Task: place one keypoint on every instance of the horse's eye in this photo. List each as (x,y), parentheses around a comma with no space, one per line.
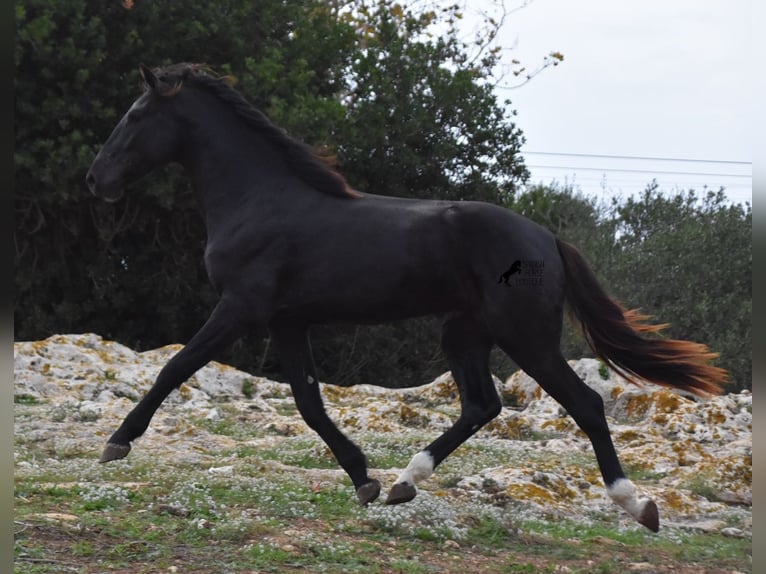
(133,117)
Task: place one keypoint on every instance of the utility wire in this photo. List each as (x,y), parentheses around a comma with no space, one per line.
(649,171)
(738,190)
(635,157)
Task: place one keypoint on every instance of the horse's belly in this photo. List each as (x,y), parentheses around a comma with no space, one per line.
(372,300)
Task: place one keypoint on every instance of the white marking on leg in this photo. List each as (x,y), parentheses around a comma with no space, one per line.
(624,493)
(310,379)
(420,468)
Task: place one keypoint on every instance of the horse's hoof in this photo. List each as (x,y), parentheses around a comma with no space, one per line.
(650,516)
(114,451)
(401,492)
(368,492)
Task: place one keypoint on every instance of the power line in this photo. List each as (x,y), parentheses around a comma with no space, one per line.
(586,180)
(648,171)
(739,186)
(636,157)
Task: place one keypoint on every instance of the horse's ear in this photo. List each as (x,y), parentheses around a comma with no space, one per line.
(149,78)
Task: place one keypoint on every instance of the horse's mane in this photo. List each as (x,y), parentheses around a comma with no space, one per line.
(313,168)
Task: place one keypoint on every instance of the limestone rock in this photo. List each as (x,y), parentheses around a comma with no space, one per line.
(693,457)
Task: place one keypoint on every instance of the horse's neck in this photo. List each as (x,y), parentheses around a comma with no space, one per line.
(239,176)
(221,162)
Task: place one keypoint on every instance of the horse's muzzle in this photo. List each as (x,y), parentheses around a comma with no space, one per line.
(90,179)
(106,192)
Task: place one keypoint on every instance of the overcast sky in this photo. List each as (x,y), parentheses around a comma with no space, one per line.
(649,79)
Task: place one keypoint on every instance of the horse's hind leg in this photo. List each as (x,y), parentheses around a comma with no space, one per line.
(294,351)
(466,345)
(556,377)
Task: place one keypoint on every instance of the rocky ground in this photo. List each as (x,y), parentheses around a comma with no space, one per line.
(699,452)
(693,458)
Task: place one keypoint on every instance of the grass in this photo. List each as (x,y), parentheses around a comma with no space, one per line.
(283,506)
(701,487)
(278,524)
(248,388)
(682,546)
(638,473)
(23,399)
(303,453)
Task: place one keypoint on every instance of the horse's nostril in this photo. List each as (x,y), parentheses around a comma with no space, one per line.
(91,181)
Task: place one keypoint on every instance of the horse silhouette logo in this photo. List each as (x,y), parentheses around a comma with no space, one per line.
(512,270)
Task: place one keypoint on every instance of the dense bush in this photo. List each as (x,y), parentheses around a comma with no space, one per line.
(684,258)
(687,259)
(408,111)
(347,75)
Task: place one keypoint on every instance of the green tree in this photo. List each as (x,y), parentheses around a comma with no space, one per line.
(687,258)
(684,258)
(423,120)
(133,271)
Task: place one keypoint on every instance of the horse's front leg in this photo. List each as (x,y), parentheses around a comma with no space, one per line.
(222,328)
(294,351)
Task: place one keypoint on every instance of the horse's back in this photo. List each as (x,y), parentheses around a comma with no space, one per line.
(467,245)
(495,238)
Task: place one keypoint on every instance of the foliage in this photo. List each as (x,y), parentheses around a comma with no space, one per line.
(684,258)
(687,259)
(165,510)
(422,117)
(409,109)
(133,271)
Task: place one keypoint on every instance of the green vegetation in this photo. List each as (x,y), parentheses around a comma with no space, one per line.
(407,107)
(274,524)
(700,486)
(285,506)
(22,399)
(683,258)
(248,388)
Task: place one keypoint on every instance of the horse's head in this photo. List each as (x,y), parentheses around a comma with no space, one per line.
(145,138)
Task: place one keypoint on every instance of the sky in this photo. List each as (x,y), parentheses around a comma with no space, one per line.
(642,86)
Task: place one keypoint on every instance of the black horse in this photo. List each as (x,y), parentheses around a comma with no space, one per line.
(289,244)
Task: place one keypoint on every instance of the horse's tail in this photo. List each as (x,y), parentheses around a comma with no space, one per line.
(617,336)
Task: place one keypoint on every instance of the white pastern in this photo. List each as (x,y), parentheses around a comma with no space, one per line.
(420,468)
(624,493)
